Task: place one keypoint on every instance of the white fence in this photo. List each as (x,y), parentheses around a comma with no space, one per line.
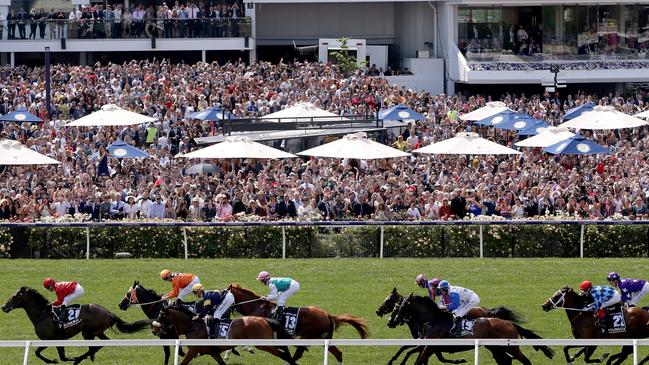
(27,345)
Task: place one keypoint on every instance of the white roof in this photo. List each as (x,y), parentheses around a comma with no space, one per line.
(547,138)
(467,144)
(238,147)
(14,153)
(604,117)
(355,146)
(486,111)
(644,114)
(111,115)
(301,112)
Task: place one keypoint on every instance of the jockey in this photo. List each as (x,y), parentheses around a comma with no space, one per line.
(66,292)
(280,289)
(603,296)
(181,284)
(430,285)
(456,299)
(212,304)
(632,289)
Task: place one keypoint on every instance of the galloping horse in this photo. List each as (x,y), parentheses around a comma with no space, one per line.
(436,323)
(151,304)
(179,320)
(478,312)
(95,320)
(582,323)
(313,322)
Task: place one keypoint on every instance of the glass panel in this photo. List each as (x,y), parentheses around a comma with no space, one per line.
(570,32)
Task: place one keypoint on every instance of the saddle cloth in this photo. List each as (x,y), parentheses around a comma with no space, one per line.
(615,322)
(289,319)
(221,330)
(463,328)
(71,315)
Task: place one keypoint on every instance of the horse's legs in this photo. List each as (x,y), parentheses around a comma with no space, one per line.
(441,359)
(282,354)
(166,351)
(516,353)
(61,351)
(404,361)
(396,356)
(589,352)
(299,351)
(424,355)
(619,358)
(216,355)
(192,352)
(644,361)
(566,352)
(45,359)
(337,354)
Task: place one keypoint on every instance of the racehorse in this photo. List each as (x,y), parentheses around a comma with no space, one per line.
(179,320)
(151,304)
(394,297)
(582,323)
(437,323)
(312,323)
(95,320)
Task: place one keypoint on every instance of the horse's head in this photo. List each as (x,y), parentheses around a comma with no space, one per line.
(130,297)
(564,298)
(23,298)
(163,323)
(400,312)
(388,304)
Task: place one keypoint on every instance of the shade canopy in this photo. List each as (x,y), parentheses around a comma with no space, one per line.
(467,144)
(212,114)
(577,145)
(201,168)
(577,111)
(121,149)
(506,117)
(14,153)
(355,146)
(604,117)
(644,114)
(111,115)
(238,147)
(400,112)
(550,136)
(486,111)
(532,129)
(20,116)
(303,112)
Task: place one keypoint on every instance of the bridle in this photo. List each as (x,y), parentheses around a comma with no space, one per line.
(561,301)
(131,296)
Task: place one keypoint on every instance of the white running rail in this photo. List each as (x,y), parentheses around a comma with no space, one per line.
(476,343)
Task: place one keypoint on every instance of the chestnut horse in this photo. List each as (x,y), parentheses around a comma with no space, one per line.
(313,322)
(95,320)
(179,320)
(478,312)
(582,323)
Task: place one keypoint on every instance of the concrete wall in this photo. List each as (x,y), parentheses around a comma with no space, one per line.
(414,25)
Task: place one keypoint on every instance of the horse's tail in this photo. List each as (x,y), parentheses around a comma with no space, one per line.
(126,327)
(279,329)
(358,323)
(505,313)
(525,333)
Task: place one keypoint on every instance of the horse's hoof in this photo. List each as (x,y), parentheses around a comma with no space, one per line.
(605,355)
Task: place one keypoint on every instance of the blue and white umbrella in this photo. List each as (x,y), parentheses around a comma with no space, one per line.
(503,120)
(121,149)
(577,145)
(400,112)
(577,111)
(534,128)
(20,116)
(212,114)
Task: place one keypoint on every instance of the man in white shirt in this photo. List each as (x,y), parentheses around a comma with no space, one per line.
(138,21)
(61,206)
(117,22)
(158,208)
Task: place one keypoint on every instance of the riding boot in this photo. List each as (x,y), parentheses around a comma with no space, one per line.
(278,313)
(601,319)
(60,313)
(456,331)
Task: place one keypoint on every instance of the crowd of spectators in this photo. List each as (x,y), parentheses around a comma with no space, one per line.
(567,66)
(90,181)
(178,20)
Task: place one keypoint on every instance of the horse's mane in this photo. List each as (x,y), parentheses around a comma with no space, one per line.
(426,301)
(240,288)
(39,299)
(148,291)
(183,310)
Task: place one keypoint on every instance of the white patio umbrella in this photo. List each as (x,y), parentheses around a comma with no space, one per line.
(466,144)
(14,153)
(547,138)
(111,115)
(355,146)
(604,117)
(492,108)
(301,112)
(644,114)
(238,147)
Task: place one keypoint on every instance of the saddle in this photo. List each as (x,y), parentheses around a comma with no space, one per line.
(68,316)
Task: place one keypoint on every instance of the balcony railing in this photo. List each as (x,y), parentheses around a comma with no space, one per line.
(30,30)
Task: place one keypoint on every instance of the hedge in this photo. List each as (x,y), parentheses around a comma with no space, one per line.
(311,242)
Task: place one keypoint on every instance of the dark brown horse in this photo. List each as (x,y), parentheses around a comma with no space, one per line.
(151,304)
(478,312)
(313,322)
(437,323)
(95,320)
(583,326)
(180,321)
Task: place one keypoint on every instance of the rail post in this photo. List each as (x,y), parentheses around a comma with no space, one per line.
(581,242)
(176,351)
(185,242)
(87,243)
(476,350)
(283,242)
(326,352)
(26,357)
(381,241)
(481,242)
(635,352)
